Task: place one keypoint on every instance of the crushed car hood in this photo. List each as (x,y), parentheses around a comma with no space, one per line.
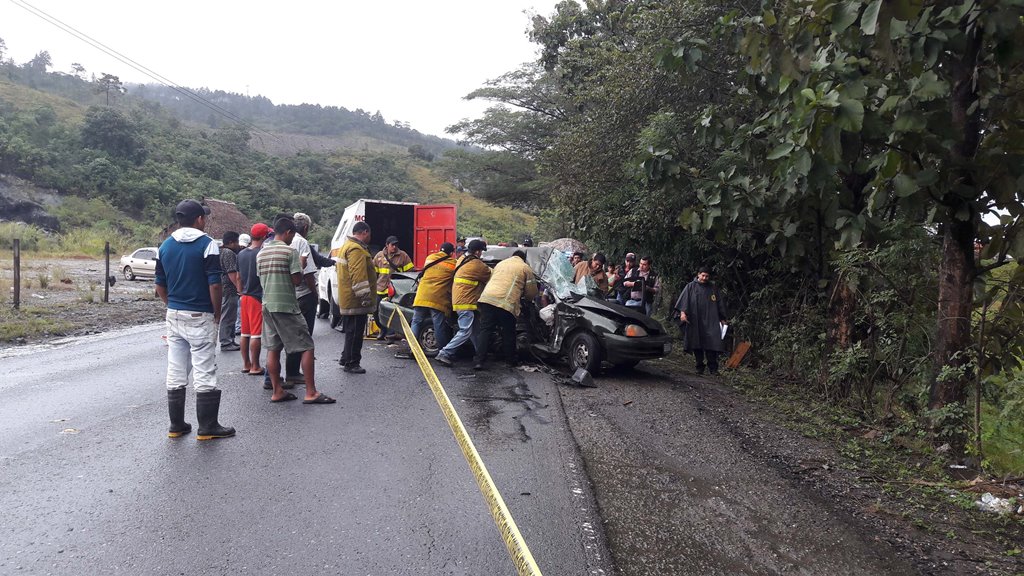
(630,316)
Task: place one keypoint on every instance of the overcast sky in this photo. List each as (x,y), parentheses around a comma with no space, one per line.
(412,60)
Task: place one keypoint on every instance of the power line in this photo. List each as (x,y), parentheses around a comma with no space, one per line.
(137,66)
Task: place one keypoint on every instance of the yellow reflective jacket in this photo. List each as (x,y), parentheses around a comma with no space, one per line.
(511,280)
(471,275)
(435,288)
(399,262)
(356,276)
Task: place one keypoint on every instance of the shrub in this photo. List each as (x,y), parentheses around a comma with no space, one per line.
(32,237)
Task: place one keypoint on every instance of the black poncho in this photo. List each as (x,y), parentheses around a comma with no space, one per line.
(704,312)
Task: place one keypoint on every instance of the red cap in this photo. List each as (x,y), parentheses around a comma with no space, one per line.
(259,231)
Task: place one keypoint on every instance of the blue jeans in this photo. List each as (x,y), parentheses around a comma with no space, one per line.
(467,331)
(421,314)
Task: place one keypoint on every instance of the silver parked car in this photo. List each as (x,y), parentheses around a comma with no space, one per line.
(140,263)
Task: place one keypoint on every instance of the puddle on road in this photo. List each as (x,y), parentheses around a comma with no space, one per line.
(75,340)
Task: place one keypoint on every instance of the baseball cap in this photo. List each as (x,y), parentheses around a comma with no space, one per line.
(190,210)
(391,240)
(259,231)
(447,248)
(475,245)
(244,239)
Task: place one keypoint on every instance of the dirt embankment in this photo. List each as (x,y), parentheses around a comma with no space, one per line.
(64,297)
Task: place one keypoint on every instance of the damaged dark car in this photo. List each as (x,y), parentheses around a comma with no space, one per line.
(567,320)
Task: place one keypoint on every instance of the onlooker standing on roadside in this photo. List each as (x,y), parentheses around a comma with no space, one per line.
(644,285)
(280,272)
(389,260)
(471,275)
(356,279)
(613,280)
(306,292)
(629,271)
(511,280)
(230,288)
(243,242)
(701,317)
(188,281)
(595,269)
(251,302)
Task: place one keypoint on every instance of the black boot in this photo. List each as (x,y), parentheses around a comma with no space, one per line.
(176,410)
(207,407)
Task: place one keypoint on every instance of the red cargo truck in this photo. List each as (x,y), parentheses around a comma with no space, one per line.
(420,229)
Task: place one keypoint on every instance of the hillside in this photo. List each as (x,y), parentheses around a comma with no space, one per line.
(127,164)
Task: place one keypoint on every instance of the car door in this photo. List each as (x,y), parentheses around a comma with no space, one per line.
(144,262)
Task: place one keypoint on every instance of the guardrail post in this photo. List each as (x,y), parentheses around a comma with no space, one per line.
(106,273)
(17,273)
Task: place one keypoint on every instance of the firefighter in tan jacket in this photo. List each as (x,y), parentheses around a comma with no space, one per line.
(388,261)
(471,275)
(511,280)
(356,280)
(434,295)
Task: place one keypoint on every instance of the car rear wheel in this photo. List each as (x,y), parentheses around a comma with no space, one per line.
(584,352)
(129,274)
(428,341)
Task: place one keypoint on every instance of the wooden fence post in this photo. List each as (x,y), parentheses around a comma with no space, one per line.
(17,273)
(106,273)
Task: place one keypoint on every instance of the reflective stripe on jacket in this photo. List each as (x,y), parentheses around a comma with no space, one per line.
(511,280)
(400,262)
(435,288)
(470,278)
(356,275)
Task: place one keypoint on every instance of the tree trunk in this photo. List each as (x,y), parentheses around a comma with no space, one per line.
(956,276)
(842,308)
(957,267)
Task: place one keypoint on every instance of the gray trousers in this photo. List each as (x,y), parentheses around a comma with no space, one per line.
(228,316)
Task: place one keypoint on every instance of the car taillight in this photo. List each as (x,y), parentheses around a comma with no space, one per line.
(635,331)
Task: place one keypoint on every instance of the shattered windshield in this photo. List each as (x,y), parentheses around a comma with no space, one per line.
(558,275)
(551,267)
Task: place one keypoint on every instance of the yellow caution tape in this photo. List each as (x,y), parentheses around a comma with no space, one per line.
(514,542)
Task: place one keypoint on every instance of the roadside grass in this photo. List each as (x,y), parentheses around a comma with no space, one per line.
(1003,437)
(87,225)
(30,322)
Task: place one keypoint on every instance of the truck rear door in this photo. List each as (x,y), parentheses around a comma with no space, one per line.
(434,226)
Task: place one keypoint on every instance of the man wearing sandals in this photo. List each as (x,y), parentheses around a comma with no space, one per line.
(280,271)
(252,301)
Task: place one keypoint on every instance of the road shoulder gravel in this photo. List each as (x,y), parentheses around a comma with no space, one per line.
(691,478)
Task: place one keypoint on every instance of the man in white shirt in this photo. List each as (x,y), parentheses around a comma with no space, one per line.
(305,293)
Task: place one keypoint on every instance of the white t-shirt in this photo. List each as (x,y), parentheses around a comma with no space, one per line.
(301,245)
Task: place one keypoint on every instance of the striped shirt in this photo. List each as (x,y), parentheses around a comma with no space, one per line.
(275,265)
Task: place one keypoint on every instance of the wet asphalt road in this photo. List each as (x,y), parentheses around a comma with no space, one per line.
(90,484)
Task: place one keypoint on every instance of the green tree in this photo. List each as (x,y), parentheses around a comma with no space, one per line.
(867,110)
(108,84)
(40,63)
(113,132)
